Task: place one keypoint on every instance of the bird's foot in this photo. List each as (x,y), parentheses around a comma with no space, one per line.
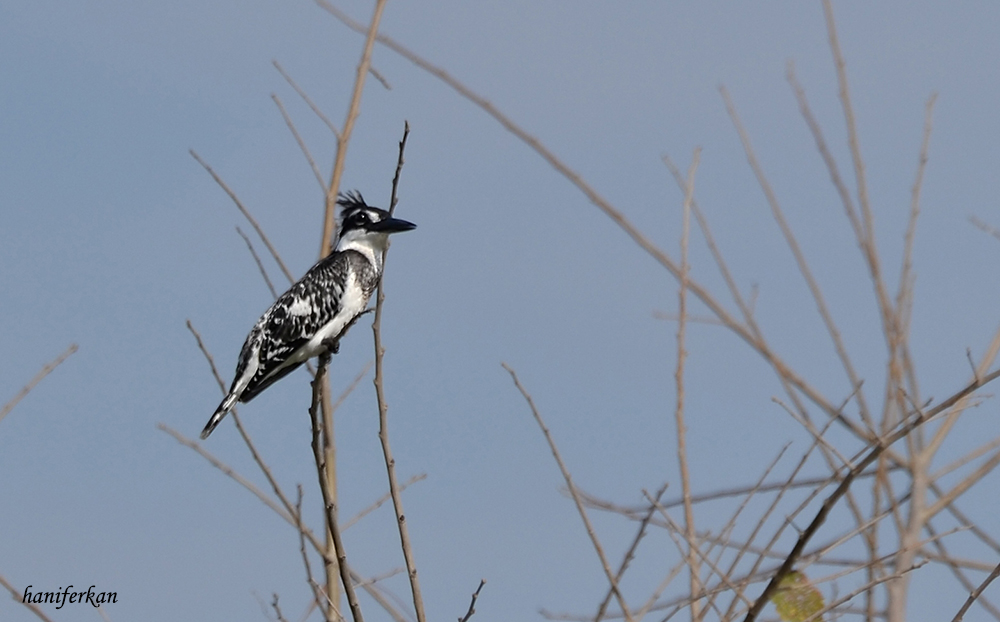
(332,345)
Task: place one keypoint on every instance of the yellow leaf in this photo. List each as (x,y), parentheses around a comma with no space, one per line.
(797,598)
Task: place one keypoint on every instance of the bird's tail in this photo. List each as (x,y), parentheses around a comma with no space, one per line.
(220,412)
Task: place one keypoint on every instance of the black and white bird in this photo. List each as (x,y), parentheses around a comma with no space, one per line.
(310,318)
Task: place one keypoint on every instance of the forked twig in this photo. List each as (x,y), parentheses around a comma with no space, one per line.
(630,553)
(246,214)
(305,97)
(873,454)
(301,143)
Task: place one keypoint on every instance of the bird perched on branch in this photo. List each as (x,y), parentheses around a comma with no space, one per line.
(310,318)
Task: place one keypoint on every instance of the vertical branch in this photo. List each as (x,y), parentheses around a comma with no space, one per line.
(904,297)
(920,457)
(329,503)
(693,564)
(329,476)
(383,432)
(329,218)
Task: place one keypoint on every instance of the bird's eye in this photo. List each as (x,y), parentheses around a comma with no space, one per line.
(362,217)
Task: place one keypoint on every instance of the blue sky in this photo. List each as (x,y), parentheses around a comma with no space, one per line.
(111,236)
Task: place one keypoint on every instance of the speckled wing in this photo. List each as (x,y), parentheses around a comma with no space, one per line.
(291,322)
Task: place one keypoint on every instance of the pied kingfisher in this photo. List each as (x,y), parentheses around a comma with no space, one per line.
(310,318)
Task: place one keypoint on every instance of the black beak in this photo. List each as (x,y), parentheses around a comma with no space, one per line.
(392,225)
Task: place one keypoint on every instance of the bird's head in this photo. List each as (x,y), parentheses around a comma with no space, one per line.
(362,225)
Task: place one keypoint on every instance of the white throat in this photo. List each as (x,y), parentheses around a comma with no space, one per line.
(369,244)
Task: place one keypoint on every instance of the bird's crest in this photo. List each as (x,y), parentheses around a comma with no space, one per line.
(350,201)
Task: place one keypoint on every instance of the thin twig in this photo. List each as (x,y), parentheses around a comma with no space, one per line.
(383,411)
(381,500)
(694,571)
(258,459)
(629,554)
(260,264)
(864,589)
(45,371)
(277,609)
(725,577)
(378,76)
(731,523)
(976,593)
(305,97)
(572,489)
(229,472)
(793,245)
(301,143)
(983,226)
(635,512)
(904,297)
(472,605)
(316,590)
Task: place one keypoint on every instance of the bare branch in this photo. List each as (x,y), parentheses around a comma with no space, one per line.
(982,226)
(318,598)
(378,76)
(976,593)
(383,409)
(472,605)
(616,215)
(277,609)
(229,472)
(381,500)
(328,502)
(689,526)
(793,245)
(845,484)
(629,554)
